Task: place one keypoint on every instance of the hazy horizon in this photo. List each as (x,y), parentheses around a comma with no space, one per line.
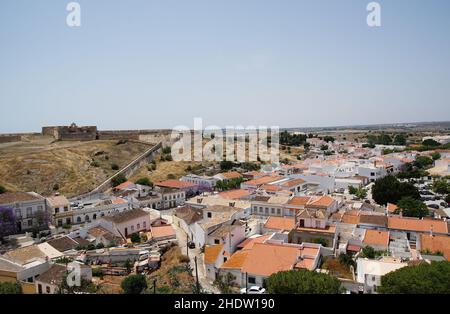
(158,64)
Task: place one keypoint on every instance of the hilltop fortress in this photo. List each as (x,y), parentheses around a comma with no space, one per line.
(74,132)
(90,133)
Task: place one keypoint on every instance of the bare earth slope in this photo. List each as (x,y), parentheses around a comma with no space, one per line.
(39,164)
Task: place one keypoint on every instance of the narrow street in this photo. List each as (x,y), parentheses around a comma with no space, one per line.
(192,253)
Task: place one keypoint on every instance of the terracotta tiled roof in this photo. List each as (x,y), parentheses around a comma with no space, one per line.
(123,185)
(421,225)
(376,237)
(235,261)
(391,207)
(126,215)
(299,200)
(436,243)
(263,180)
(53,275)
(293,182)
(235,194)
(323,201)
(13,197)
(162,231)
(280,223)
(212,252)
(175,184)
(265,259)
(247,244)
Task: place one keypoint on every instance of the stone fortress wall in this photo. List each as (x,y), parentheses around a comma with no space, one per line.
(91,133)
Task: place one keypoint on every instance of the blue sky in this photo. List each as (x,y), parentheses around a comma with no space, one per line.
(157,64)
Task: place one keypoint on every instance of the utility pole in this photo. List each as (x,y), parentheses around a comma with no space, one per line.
(196,275)
(187,246)
(246,282)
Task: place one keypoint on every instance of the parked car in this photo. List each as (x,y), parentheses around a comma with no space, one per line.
(253,290)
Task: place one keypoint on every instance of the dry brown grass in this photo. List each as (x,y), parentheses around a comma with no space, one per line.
(40,164)
(170,273)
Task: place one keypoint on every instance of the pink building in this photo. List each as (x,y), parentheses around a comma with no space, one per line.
(128,222)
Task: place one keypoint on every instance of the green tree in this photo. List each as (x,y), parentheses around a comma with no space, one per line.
(118,179)
(424,278)
(412,207)
(431,143)
(166,150)
(400,139)
(447,198)
(328,139)
(226,165)
(352,190)
(144,181)
(302,282)
(368,252)
(10,288)
(135,238)
(435,156)
(324,147)
(134,284)
(114,166)
(441,186)
(390,190)
(423,161)
(225,283)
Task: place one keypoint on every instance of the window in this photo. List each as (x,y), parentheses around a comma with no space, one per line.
(266,210)
(56,210)
(144,224)
(47,289)
(209,214)
(94,216)
(30,222)
(40,207)
(251,280)
(216,241)
(78,219)
(30,279)
(138,226)
(29,210)
(278,211)
(68,221)
(66,208)
(132,228)
(272,210)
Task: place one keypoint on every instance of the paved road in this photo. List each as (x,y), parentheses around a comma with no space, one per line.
(182,242)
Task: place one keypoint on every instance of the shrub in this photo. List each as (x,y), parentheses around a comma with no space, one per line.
(171,176)
(135,237)
(95,163)
(302,282)
(118,179)
(144,181)
(114,166)
(2,189)
(10,288)
(134,284)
